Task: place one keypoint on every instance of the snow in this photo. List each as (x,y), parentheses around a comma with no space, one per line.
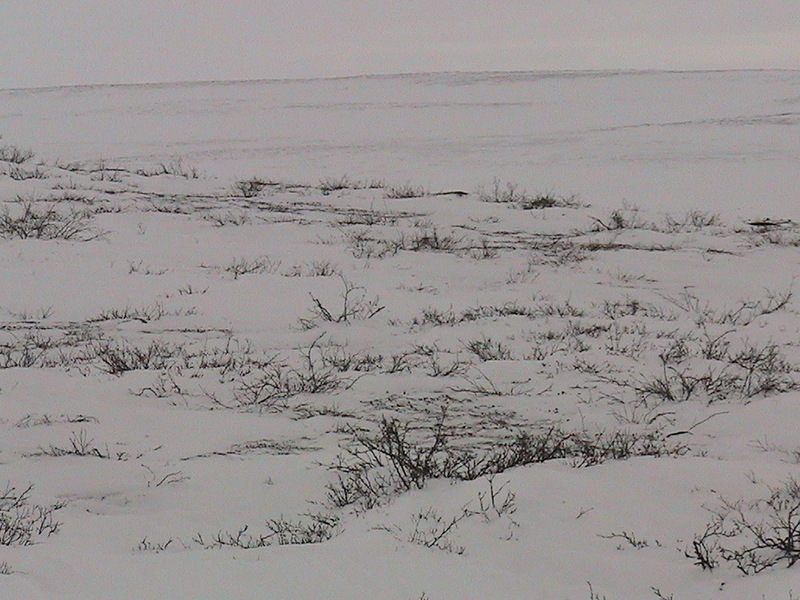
(494,317)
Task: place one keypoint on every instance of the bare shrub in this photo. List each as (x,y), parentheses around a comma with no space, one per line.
(235,218)
(752,536)
(341,359)
(499,193)
(248,266)
(438,362)
(335,184)
(145,314)
(436,317)
(431,239)
(404,192)
(174,167)
(432,317)
(482,250)
(374,468)
(18,173)
(314,268)
(118,357)
(487,349)
(480,384)
(139,267)
(547,200)
(711,371)
(355,306)
(363,244)
(15,154)
(37,420)
(626,217)
(740,315)
(270,384)
(693,220)
(314,529)
(81,445)
(432,530)
(46,223)
(496,503)
(629,538)
(250,188)
(511,193)
(21,522)
(762,370)
(156,547)
(31,350)
(110,174)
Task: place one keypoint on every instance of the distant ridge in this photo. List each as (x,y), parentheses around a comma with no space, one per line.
(471,76)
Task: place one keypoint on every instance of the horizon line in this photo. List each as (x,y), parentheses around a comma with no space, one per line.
(201,82)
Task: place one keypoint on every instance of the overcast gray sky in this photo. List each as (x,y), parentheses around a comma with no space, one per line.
(61,42)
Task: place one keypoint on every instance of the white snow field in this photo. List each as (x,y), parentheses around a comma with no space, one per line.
(454,336)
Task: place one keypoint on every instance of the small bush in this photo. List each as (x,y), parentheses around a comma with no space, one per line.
(431,239)
(19,174)
(250,188)
(81,445)
(21,522)
(141,268)
(15,154)
(270,384)
(540,201)
(46,223)
(37,420)
(338,357)
(355,306)
(712,371)
(116,358)
(362,244)
(335,184)
(487,349)
(174,167)
(147,546)
(245,266)
(401,456)
(32,350)
(315,529)
(144,314)
(482,250)
(510,193)
(693,220)
(314,268)
(752,536)
(432,530)
(743,314)
(434,317)
(404,192)
(496,503)
(626,217)
(437,362)
(504,194)
(235,218)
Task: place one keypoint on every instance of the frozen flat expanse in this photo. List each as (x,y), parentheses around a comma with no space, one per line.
(251,347)
(678,140)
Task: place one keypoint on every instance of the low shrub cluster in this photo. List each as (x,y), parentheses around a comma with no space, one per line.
(22,522)
(400,456)
(752,536)
(46,223)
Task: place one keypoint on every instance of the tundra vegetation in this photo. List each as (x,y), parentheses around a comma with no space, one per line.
(449,374)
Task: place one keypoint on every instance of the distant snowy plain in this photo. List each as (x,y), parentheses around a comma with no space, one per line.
(497,336)
(665,140)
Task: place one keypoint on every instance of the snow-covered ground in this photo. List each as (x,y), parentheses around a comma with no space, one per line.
(709,140)
(434,336)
